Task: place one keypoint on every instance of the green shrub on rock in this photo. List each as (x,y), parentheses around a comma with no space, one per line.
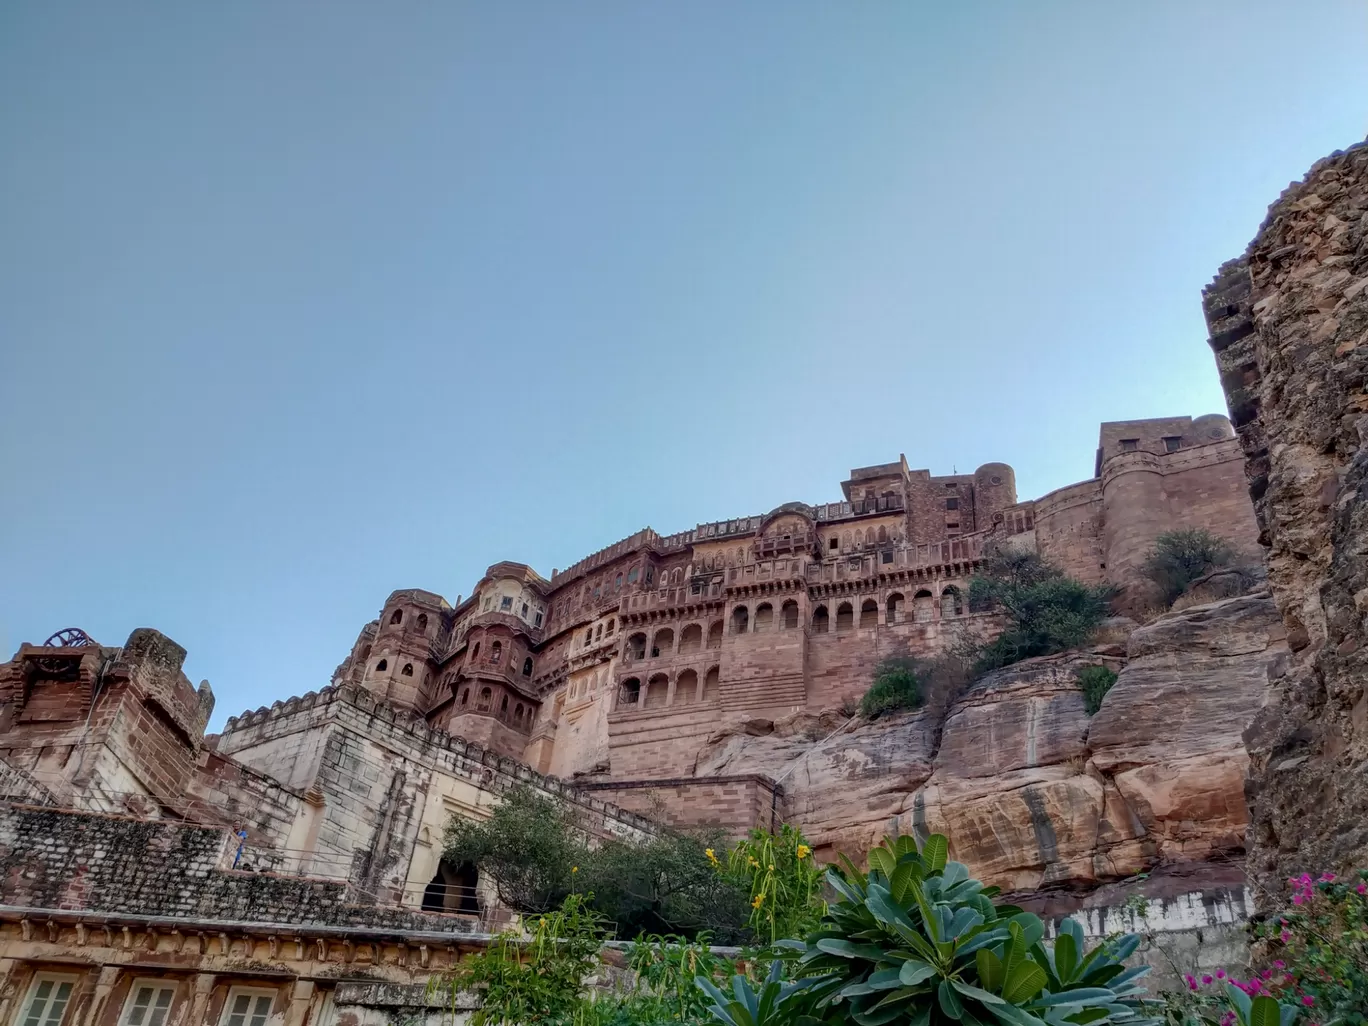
(897,686)
(1095,681)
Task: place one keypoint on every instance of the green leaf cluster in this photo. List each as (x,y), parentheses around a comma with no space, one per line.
(1095,682)
(536,855)
(1181,557)
(917,941)
(1044,611)
(528,983)
(897,686)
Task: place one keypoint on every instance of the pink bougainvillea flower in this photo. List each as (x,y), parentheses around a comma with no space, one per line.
(1206,978)
(1308,1000)
(1220,974)
(1280,964)
(1286,936)
(1362,888)
(1191,981)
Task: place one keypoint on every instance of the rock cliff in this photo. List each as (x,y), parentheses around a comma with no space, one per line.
(1032,792)
(1289,326)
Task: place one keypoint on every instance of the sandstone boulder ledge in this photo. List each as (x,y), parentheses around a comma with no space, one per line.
(1030,790)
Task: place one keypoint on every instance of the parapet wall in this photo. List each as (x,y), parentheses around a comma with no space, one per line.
(250,736)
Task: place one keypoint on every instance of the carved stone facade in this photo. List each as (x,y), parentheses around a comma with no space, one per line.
(620,667)
(293,865)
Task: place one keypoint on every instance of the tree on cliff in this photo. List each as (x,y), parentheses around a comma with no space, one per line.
(1181,557)
(1045,610)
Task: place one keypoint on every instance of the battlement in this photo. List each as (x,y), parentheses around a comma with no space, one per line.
(382,721)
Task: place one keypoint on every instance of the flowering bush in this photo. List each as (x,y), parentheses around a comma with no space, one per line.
(782,878)
(1314,958)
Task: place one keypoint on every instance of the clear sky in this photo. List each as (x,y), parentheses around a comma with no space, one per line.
(304,302)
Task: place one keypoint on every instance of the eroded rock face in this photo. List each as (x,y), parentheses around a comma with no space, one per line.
(1289,325)
(1029,789)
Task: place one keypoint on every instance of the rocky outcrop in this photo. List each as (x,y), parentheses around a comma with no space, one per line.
(1031,791)
(1289,326)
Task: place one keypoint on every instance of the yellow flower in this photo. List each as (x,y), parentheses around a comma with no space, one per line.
(574,869)
(752,860)
(759,900)
(712,855)
(771,869)
(804,851)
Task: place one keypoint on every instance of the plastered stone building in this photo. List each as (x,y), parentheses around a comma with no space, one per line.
(290,870)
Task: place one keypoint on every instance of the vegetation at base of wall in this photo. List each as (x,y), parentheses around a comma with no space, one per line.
(533,982)
(1181,557)
(1310,964)
(1044,611)
(1095,682)
(916,940)
(783,880)
(897,686)
(536,855)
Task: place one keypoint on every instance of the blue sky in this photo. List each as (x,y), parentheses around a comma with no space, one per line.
(304,302)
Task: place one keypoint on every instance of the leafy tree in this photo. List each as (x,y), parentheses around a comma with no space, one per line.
(1181,557)
(536,855)
(916,940)
(1045,611)
(897,686)
(1095,682)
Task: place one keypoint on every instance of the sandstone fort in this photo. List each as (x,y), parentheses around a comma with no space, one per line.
(291,870)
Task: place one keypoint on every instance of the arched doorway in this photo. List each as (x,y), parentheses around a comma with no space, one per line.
(453,890)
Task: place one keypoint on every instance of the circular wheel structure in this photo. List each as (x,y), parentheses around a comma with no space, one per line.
(69,637)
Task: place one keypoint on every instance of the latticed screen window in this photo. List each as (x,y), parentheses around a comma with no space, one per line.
(247,1008)
(48,1000)
(149,1005)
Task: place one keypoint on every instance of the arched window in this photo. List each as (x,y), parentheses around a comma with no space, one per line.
(710,682)
(636,646)
(527,667)
(686,687)
(715,635)
(788,615)
(951,603)
(422,621)
(465,696)
(475,652)
(517,713)
(382,665)
(691,638)
(869,614)
(496,652)
(589,636)
(821,620)
(407,671)
(453,890)
(657,692)
(674,576)
(922,609)
(486,700)
(883,534)
(845,616)
(612,625)
(630,692)
(740,620)
(397,616)
(764,617)
(598,632)
(894,607)
(663,643)
(503,706)
(365,654)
